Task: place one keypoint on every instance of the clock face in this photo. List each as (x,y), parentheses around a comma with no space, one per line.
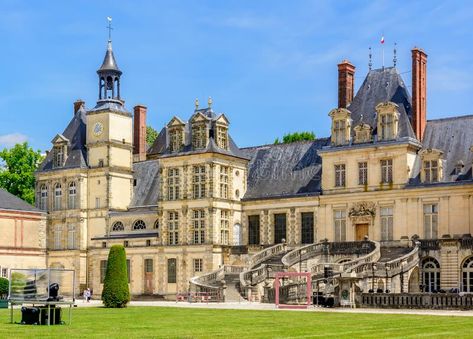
(98,128)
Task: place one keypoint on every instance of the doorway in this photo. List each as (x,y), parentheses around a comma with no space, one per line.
(361,230)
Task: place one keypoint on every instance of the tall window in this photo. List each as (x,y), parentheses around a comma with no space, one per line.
(58,237)
(386,223)
(71,236)
(173,183)
(362,173)
(222,137)
(279,228)
(198,136)
(173,228)
(307,228)
(71,201)
(43,202)
(340,223)
(148,265)
(340,175)
(103,270)
(339,130)
(172,271)
(386,171)
(223,182)
(253,230)
(387,127)
(199,226)
(198,181)
(57,197)
(467,275)
(139,225)
(224,227)
(431,275)
(58,156)
(430,221)
(198,265)
(431,171)
(175,140)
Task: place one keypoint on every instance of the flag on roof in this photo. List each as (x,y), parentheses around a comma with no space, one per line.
(382,39)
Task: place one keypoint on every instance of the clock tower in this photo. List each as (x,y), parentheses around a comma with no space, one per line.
(109,143)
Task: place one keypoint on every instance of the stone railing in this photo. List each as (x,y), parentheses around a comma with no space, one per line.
(303,253)
(211,280)
(265,254)
(429,244)
(466,243)
(417,300)
(259,274)
(288,294)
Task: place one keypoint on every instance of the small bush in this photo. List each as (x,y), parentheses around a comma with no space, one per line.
(116,293)
(3,288)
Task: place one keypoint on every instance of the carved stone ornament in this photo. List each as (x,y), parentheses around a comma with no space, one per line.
(363,209)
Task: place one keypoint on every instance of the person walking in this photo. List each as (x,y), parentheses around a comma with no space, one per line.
(86,295)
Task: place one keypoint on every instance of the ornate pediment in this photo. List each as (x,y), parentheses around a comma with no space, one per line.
(362,209)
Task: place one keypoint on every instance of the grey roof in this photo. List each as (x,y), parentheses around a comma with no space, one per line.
(284,169)
(146,190)
(110,105)
(109,62)
(381,85)
(10,202)
(76,133)
(453,136)
(159,146)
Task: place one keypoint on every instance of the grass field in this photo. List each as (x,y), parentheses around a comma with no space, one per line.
(168,322)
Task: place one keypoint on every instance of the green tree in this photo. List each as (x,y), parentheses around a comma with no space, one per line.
(151,135)
(3,288)
(17,173)
(116,293)
(296,136)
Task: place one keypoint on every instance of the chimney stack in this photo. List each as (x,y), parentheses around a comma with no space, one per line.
(139,133)
(78,104)
(346,83)
(419,92)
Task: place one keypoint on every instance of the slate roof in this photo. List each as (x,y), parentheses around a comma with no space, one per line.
(454,137)
(381,85)
(76,133)
(159,146)
(10,202)
(146,190)
(109,63)
(293,169)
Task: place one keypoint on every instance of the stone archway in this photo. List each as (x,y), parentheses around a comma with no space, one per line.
(414,281)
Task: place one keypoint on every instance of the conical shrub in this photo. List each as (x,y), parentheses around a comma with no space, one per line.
(115,292)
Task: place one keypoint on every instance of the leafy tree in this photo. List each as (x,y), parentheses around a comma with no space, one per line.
(3,288)
(116,293)
(17,173)
(296,136)
(151,135)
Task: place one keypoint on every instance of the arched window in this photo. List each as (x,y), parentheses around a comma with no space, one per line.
(57,196)
(118,226)
(139,225)
(72,195)
(431,275)
(467,275)
(43,198)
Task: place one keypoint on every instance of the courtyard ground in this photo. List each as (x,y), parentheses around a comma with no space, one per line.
(203,322)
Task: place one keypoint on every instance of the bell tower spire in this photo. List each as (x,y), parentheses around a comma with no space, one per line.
(109,73)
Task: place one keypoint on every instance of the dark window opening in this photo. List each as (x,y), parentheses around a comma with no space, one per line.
(307,228)
(279,228)
(253,230)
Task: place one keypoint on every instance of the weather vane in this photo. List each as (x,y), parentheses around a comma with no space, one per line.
(109,19)
(395,57)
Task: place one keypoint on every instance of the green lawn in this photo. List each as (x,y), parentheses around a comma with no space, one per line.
(167,322)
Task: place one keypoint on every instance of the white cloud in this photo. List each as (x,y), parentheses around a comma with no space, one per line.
(9,140)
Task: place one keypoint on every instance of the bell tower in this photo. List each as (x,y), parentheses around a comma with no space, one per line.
(109,141)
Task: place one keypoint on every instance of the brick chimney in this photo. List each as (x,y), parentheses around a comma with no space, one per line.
(139,133)
(346,83)
(78,104)
(419,92)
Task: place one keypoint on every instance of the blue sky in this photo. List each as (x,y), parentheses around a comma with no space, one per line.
(269,65)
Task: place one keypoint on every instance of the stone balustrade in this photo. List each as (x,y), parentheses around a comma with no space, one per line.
(417,300)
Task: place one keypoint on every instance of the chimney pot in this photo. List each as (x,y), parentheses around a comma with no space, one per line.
(346,83)
(139,132)
(78,104)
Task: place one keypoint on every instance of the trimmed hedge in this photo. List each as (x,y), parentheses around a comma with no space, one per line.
(116,293)
(3,288)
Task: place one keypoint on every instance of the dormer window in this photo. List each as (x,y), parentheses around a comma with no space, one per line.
(60,144)
(388,120)
(199,136)
(222,137)
(175,139)
(459,167)
(341,125)
(362,133)
(431,165)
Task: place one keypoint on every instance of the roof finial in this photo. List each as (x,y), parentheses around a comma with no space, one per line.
(196,104)
(109,19)
(210,102)
(395,57)
(370,63)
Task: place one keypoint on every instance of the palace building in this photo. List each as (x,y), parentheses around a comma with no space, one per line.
(385,201)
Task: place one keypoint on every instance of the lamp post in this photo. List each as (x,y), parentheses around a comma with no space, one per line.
(373,268)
